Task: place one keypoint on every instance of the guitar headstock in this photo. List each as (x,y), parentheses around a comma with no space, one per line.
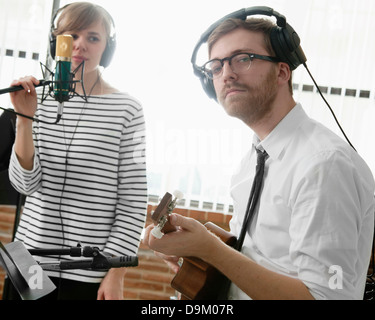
(160,216)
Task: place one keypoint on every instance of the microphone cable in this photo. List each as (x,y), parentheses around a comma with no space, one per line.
(60,203)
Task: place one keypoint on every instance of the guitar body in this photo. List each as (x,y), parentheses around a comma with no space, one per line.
(196,279)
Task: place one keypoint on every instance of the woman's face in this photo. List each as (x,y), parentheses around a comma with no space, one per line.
(88,46)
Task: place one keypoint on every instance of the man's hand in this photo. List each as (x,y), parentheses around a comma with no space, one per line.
(191,239)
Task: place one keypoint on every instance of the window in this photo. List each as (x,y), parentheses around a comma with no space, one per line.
(192,144)
(24,29)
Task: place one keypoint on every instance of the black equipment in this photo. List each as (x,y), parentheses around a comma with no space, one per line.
(101,261)
(29,278)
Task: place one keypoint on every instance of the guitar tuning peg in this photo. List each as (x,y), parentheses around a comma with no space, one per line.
(156,232)
(178,194)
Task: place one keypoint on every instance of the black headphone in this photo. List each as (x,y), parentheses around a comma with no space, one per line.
(284,40)
(108,52)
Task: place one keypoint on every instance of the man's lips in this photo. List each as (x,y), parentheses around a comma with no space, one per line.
(233,91)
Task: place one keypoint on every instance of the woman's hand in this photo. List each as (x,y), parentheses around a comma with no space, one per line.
(25,101)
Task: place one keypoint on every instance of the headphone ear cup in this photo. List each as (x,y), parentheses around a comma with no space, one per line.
(286,44)
(52,46)
(108,53)
(208,87)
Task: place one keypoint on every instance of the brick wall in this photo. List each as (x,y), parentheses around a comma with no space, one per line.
(151,279)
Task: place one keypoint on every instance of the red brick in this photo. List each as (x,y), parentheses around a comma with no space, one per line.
(6,217)
(153,296)
(215,217)
(143,285)
(181,211)
(227,218)
(158,277)
(199,215)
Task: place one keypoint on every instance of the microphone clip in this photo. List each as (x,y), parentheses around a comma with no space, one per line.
(62,90)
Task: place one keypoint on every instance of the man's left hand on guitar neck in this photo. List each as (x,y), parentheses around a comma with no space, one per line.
(185,242)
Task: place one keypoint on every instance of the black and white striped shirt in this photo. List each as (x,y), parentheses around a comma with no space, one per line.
(88,183)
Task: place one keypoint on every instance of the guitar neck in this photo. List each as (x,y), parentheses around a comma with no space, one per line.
(160,216)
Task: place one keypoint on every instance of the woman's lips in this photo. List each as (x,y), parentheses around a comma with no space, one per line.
(78,59)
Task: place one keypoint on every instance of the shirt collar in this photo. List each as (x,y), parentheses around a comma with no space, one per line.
(280,136)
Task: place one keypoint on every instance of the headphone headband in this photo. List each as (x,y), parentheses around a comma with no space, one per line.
(284,40)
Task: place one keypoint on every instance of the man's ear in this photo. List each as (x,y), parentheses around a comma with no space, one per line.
(284,72)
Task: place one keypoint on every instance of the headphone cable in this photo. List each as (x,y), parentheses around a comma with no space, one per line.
(329,107)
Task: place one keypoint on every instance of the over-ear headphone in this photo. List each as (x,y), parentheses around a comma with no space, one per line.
(284,40)
(108,52)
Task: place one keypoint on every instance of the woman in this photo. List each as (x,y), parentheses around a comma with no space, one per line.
(85,177)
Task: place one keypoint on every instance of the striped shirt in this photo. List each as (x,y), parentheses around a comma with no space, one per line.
(88,184)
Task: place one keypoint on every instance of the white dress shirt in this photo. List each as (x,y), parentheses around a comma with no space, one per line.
(315,217)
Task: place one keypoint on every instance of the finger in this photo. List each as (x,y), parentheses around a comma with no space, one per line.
(34,80)
(173,266)
(146,237)
(166,257)
(31,82)
(181,221)
(171,261)
(28,83)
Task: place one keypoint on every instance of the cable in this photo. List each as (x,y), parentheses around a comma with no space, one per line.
(329,107)
(19,114)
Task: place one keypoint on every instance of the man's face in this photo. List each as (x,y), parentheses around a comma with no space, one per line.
(248,96)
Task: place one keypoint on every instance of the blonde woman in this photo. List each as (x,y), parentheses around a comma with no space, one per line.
(85,177)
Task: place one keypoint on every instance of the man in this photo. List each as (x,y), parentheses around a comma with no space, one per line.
(311,234)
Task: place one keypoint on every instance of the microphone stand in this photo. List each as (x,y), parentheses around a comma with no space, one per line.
(101,261)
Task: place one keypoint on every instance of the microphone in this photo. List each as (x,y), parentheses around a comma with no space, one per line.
(62,85)
(101,260)
(102,263)
(63,75)
(42,83)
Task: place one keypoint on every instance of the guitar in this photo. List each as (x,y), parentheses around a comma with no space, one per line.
(196,279)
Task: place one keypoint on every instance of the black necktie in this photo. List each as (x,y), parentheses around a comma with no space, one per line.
(254,196)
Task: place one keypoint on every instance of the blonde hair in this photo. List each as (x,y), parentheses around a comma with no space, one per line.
(80,15)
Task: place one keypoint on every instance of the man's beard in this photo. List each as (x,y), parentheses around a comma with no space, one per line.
(255,104)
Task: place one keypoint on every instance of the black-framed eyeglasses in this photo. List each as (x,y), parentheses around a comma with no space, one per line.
(239,62)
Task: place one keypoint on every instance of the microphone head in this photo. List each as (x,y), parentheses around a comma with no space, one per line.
(64,47)
(62,77)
